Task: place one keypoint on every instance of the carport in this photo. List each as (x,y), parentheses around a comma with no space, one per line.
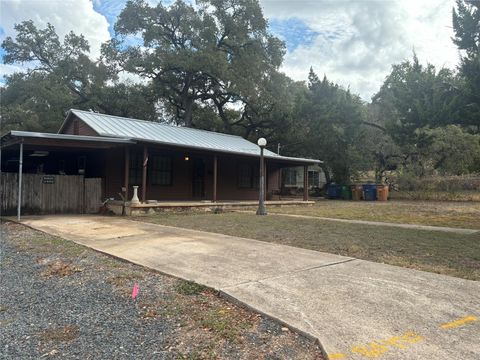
(42,172)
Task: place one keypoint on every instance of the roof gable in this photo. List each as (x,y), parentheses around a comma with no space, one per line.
(72,125)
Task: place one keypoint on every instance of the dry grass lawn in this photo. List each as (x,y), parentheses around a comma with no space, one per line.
(439,252)
(435,213)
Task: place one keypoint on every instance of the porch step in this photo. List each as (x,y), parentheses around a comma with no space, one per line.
(138,209)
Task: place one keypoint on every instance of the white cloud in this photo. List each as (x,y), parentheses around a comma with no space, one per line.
(9,70)
(360,40)
(66,15)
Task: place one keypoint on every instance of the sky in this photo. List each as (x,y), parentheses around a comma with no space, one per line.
(352,42)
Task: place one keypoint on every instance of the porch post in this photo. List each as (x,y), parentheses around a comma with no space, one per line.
(305,183)
(215,178)
(280,175)
(144,174)
(20,170)
(127,171)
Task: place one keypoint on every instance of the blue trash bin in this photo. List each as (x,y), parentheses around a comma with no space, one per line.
(370,192)
(333,191)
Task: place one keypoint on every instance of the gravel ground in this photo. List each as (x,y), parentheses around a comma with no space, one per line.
(61,300)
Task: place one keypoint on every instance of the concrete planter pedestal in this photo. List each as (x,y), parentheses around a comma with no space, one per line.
(135,199)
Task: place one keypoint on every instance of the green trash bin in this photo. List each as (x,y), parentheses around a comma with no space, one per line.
(346,192)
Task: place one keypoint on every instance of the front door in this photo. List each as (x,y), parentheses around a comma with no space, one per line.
(198,179)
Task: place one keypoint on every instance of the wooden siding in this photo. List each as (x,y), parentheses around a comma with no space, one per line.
(83,129)
(182,172)
(65,195)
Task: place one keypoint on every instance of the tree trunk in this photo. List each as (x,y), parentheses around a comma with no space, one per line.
(379,175)
(328,177)
(187,100)
(188,111)
(227,125)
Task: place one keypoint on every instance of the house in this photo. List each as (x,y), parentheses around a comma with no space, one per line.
(293,177)
(109,155)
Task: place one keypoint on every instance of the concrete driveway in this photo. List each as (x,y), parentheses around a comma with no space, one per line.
(357,309)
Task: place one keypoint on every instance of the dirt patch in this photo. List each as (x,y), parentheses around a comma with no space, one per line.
(59,334)
(125,279)
(60,269)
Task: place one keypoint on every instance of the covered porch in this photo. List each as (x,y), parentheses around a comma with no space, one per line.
(45,171)
(165,174)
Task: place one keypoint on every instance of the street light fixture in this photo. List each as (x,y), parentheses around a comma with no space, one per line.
(262,142)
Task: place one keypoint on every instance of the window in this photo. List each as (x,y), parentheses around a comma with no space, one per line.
(290,177)
(313,178)
(135,169)
(244,176)
(161,170)
(248,176)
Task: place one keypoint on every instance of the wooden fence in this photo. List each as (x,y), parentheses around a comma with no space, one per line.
(50,194)
(92,195)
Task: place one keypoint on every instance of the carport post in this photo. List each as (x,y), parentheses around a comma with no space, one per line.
(215,178)
(144,174)
(305,183)
(125,179)
(20,170)
(127,171)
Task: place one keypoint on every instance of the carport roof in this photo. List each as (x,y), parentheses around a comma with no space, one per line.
(14,135)
(154,132)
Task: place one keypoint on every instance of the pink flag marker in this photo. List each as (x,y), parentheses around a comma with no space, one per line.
(135,291)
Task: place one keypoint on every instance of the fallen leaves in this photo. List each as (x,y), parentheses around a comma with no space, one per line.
(60,269)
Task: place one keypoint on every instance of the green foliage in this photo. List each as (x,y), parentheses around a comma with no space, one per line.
(61,76)
(414,96)
(34,102)
(429,116)
(67,63)
(425,132)
(215,66)
(189,288)
(201,60)
(328,127)
(454,151)
(466,26)
(466,19)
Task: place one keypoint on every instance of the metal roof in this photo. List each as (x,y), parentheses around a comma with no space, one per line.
(141,130)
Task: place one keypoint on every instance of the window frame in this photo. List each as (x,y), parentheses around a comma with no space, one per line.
(314,179)
(153,172)
(253,176)
(289,174)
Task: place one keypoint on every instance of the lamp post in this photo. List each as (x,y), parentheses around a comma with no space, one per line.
(261,203)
